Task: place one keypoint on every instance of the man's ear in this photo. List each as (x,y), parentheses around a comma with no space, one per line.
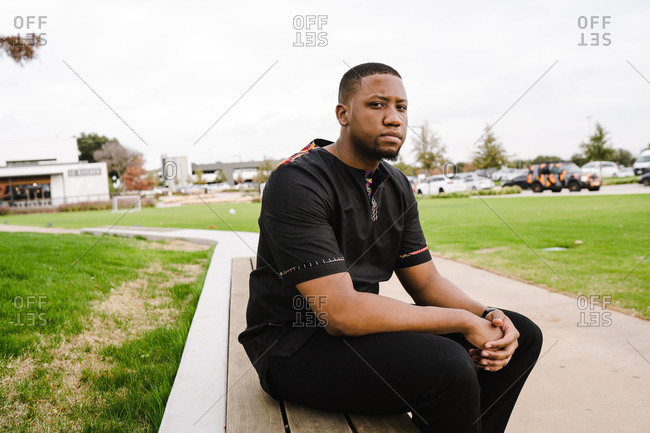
(342,114)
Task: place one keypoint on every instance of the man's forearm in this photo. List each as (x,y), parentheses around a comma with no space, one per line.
(348,312)
(367,313)
(448,295)
(427,287)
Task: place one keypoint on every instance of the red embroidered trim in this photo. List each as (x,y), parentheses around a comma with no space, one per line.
(304,150)
(403,256)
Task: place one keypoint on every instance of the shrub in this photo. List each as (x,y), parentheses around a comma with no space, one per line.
(7,210)
(465,194)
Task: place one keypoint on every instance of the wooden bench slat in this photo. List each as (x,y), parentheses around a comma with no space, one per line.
(304,419)
(248,408)
(384,424)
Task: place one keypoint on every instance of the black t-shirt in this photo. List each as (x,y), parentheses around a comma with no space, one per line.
(319,217)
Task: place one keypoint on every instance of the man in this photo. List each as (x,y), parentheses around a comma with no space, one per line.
(335,221)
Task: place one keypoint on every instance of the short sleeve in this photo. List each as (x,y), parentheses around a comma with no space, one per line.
(413,249)
(295,221)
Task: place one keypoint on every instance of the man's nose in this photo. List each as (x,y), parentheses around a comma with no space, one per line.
(394,118)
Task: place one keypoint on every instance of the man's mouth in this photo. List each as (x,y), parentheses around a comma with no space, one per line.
(394,137)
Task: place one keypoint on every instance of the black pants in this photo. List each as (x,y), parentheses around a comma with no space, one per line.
(431,376)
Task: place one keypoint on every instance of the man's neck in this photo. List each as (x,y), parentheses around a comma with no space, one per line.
(344,151)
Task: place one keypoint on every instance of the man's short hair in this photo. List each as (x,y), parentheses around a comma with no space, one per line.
(352,80)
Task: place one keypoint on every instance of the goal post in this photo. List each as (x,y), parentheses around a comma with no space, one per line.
(127,203)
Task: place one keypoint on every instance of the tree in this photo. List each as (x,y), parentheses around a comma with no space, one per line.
(520,163)
(543,158)
(199,177)
(21,49)
(404,167)
(88,144)
(623,157)
(490,153)
(116,157)
(598,147)
(264,170)
(579,159)
(220,177)
(429,151)
(465,166)
(136,178)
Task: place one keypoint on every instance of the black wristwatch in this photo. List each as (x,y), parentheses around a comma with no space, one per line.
(487,311)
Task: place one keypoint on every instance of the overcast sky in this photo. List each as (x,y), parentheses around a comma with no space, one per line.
(171,69)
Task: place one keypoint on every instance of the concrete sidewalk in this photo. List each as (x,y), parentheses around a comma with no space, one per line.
(588,379)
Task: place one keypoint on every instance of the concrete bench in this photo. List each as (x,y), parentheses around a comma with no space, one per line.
(249,409)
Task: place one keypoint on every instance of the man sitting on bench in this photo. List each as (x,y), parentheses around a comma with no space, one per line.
(335,221)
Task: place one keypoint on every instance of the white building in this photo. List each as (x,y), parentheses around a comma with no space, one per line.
(39,173)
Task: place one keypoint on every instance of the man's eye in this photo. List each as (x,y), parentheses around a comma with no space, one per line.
(376,104)
(401,107)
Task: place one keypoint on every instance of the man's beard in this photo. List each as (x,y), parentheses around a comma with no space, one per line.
(384,154)
(374,150)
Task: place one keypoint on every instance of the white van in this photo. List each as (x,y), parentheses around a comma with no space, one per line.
(642,163)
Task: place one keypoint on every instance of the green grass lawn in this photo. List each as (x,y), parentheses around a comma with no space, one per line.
(620,180)
(92,345)
(614,230)
(196,217)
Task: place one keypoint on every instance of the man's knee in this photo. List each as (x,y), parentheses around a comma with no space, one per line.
(531,337)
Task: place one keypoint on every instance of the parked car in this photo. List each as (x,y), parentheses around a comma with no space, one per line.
(217,187)
(642,163)
(558,175)
(508,173)
(519,181)
(601,168)
(625,171)
(645,179)
(438,184)
(474,182)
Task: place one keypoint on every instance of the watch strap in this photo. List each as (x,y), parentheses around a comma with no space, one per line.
(487,311)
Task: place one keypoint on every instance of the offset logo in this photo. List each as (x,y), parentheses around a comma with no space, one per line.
(594,31)
(169,170)
(593,311)
(305,316)
(26,30)
(24,306)
(309,30)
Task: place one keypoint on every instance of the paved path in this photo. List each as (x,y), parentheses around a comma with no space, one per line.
(589,378)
